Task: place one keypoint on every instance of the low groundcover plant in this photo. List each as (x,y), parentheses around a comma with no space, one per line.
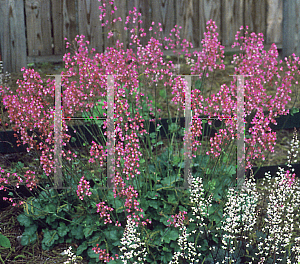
(148,172)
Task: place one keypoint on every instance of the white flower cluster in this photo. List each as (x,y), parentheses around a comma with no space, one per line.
(131,240)
(71,255)
(200,209)
(294,150)
(240,216)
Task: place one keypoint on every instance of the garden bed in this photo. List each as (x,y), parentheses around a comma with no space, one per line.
(21,163)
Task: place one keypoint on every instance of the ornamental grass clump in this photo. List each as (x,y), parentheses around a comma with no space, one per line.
(148,169)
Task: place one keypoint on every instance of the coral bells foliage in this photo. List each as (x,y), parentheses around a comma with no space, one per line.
(86,78)
(259,67)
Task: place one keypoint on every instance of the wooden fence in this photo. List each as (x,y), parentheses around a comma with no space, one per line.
(34,30)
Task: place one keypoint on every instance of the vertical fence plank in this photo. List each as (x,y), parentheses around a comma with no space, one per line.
(130,5)
(274,20)
(89,23)
(232,19)
(57,28)
(291,27)
(96,28)
(184,18)
(264,16)
(5,35)
(38,27)
(209,9)
(122,12)
(196,32)
(108,42)
(69,20)
(179,16)
(255,16)
(13,32)
(163,12)
(146,18)
(18,38)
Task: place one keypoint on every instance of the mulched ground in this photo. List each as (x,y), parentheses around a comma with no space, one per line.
(18,254)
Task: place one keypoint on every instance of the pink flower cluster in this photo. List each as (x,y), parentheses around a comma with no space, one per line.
(290,178)
(8,179)
(212,52)
(31,180)
(177,219)
(260,68)
(86,79)
(83,188)
(102,208)
(103,255)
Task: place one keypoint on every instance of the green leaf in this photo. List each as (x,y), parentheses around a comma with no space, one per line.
(170,235)
(173,235)
(29,236)
(50,236)
(87,231)
(62,230)
(153,204)
(50,208)
(4,241)
(176,160)
(27,239)
(167,257)
(181,165)
(31,229)
(20,164)
(112,234)
(294,110)
(91,253)
(163,93)
(50,219)
(24,220)
(198,84)
(158,143)
(152,195)
(172,198)
(170,180)
(173,127)
(81,248)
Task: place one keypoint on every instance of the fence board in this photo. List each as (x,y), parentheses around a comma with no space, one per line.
(69,20)
(291,27)
(130,5)
(274,21)
(209,9)
(255,16)
(14,39)
(90,24)
(72,17)
(57,20)
(184,18)
(146,18)
(120,33)
(38,25)
(108,42)
(4,35)
(232,19)
(163,12)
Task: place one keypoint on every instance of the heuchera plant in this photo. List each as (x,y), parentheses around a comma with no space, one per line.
(86,79)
